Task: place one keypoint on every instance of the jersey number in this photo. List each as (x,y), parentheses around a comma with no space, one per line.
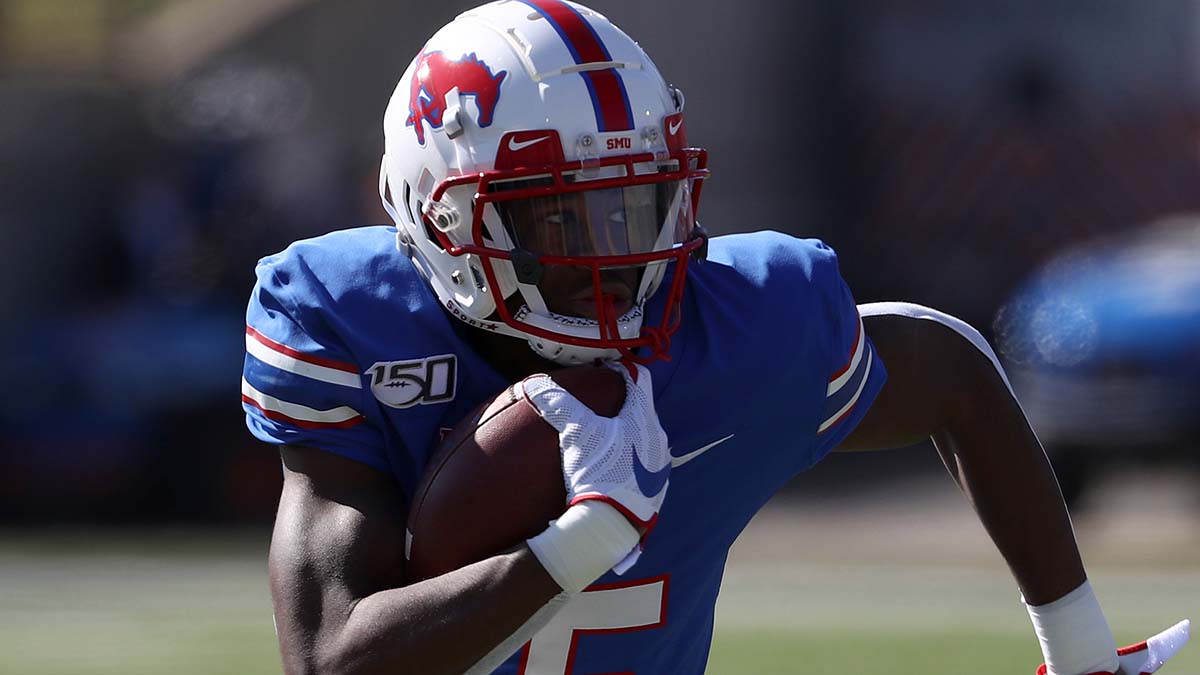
(610,608)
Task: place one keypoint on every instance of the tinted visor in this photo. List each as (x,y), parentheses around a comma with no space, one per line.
(607,222)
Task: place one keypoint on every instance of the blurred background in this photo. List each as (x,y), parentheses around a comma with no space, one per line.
(1032,167)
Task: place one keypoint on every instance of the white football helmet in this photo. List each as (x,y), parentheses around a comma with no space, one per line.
(536,168)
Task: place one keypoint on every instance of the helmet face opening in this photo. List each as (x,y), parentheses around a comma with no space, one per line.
(588,243)
(606,222)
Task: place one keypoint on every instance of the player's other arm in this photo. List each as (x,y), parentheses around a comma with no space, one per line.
(337,580)
(945,383)
(942,385)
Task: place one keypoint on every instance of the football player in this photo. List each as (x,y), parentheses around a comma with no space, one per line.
(544,199)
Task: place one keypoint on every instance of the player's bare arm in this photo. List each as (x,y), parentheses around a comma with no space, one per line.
(337,580)
(344,604)
(941,385)
(945,383)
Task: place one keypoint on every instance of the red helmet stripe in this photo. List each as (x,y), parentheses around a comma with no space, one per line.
(610,99)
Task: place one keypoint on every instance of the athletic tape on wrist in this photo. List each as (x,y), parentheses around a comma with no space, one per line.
(1074,634)
(585,542)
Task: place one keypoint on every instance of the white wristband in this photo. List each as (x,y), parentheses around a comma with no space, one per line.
(585,542)
(1074,634)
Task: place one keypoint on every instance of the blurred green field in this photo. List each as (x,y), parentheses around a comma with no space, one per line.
(808,591)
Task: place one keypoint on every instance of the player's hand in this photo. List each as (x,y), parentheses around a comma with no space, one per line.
(1147,657)
(623,460)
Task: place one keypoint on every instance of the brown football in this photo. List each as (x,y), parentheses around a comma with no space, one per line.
(496,479)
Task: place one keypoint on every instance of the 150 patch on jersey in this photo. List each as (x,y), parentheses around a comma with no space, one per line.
(403,384)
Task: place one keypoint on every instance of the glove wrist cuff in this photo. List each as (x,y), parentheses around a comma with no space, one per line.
(585,542)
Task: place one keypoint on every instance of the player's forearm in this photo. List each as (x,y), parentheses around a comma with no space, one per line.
(996,459)
(441,625)
(485,611)
(342,601)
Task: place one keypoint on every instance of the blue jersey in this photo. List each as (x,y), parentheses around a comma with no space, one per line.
(349,351)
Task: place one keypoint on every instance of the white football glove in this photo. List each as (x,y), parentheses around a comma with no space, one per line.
(623,460)
(1148,656)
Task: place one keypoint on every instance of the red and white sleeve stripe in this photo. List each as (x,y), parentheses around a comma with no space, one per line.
(846,386)
(299,415)
(841,377)
(291,360)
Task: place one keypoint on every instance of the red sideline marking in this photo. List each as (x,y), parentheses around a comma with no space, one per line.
(853,348)
(300,356)
(303,424)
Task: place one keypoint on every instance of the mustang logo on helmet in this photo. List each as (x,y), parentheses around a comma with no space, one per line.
(436,75)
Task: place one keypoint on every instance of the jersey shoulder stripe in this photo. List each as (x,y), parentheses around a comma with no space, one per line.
(299,415)
(294,361)
(839,379)
(836,408)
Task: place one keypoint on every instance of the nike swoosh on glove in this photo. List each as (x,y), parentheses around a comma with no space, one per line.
(1147,657)
(622,460)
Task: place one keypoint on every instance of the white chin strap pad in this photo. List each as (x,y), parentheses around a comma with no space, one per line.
(629,326)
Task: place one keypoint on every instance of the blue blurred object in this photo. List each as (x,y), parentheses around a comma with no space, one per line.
(1135,299)
(1103,347)
(109,418)
(120,366)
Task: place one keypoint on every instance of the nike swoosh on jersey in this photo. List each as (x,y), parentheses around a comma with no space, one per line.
(649,482)
(684,459)
(518,146)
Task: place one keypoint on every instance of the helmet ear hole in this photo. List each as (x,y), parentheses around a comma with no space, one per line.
(429,233)
(477,275)
(407,198)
